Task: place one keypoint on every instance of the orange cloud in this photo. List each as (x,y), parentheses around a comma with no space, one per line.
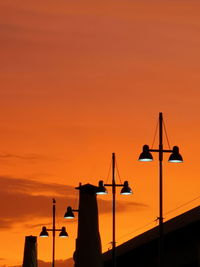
(25,198)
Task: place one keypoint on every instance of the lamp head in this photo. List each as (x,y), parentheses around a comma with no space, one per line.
(44,232)
(126,190)
(101,190)
(69,213)
(63,232)
(175,156)
(145,155)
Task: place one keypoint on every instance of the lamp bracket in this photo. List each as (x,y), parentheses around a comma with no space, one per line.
(161,150)
(54,230)
(114,184)
(75,210)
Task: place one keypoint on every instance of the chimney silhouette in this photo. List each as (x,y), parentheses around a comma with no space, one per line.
(30,252)
(88,243)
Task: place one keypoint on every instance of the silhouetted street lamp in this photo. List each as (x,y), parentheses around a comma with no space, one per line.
(174,157)
(69,214)
(45,230)
(126,190)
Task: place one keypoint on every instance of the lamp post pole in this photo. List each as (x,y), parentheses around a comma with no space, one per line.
(174,157)
(160,190)
(113,210)
(126,190)
(54,232)
(45,230)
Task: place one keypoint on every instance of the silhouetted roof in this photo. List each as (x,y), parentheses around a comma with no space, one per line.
(88,188)
(181,221)
(31,238)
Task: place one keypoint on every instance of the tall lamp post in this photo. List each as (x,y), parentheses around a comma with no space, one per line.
(126,190)
(44,232)
(174,157)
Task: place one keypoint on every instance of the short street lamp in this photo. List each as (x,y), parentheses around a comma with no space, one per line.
(69,214)
(45,230)
(174,157)
(126,190)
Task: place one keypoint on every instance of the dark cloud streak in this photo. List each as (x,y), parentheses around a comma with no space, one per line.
(23,199)
(23,157)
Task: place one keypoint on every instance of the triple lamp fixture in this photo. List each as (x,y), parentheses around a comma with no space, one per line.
(44,232)
(101,190)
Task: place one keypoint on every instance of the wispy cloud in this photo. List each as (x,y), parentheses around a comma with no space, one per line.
(23,157)
(23,199)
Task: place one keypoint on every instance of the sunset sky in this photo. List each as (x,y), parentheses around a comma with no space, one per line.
(80,79)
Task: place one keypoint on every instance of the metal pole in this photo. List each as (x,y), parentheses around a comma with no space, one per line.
(160,190)
(113,211)
(54,231)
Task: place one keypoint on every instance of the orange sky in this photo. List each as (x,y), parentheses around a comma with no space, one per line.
(78,81)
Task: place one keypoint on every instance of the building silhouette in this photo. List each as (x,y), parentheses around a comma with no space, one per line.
(30,252)
(88,243)
(181,245)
